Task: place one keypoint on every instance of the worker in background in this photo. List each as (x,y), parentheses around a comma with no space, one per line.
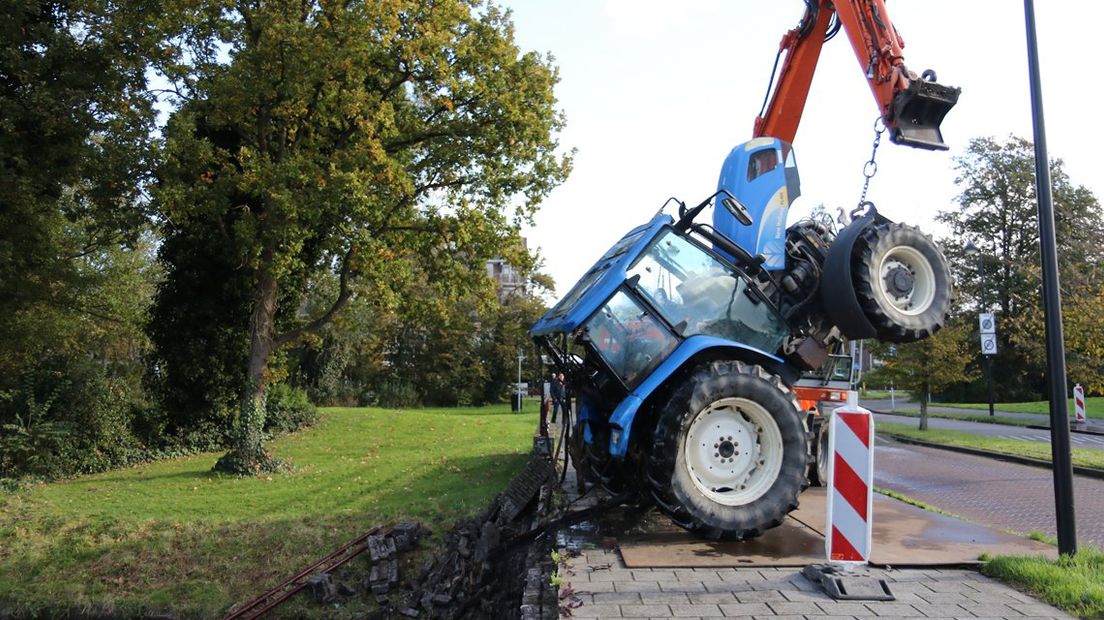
(558,394)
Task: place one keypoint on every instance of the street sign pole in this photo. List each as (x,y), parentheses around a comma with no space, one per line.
(1052,308)
(988,328)
(989,380)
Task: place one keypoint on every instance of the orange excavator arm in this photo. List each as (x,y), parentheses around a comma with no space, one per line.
(911,106)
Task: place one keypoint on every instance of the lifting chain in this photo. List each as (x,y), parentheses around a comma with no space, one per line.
(870,168)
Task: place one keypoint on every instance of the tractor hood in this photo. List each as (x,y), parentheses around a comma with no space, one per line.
(600,281)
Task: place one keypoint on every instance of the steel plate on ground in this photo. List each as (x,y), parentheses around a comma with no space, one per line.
(904,535)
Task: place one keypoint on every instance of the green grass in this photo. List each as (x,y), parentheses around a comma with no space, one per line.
(967,417)
(1081,456)
(900,395)
(901,497)
(172,536)
(1094,407)
(1074,584)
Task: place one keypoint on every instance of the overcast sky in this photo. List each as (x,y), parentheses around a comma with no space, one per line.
(657,93)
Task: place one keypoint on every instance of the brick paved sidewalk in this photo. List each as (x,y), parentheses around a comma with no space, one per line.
(605,588)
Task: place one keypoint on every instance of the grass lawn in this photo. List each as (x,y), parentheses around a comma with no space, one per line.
(1081,456)
(1094,407)
(172,536)
(1075,584)
(900,395)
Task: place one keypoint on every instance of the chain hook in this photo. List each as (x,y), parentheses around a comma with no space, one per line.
(870,168)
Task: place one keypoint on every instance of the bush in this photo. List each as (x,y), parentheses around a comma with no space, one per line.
(395,393)
(287,409)
(67,417)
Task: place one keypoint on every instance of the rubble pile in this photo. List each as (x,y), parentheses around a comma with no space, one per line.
(383,577)
(475,575)
(483,569)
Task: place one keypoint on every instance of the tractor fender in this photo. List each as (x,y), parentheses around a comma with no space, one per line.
(621,420)
(837,291)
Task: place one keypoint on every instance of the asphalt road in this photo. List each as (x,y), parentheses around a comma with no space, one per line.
(1008,496)
(1004,431)
(1019,433)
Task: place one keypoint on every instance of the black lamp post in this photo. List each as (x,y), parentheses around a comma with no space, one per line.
(1052,307)
(986,358)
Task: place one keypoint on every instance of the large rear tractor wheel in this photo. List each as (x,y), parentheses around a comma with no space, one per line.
(902,282)
(730,452)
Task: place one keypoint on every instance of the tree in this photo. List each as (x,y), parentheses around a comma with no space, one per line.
(76,248)
(325,137)
(929,365)
(74,145)
(1083,328)
(998,214)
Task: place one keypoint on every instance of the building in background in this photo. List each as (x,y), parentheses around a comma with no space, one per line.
(506,278)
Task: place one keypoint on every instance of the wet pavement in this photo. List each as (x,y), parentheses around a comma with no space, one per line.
(1003,495)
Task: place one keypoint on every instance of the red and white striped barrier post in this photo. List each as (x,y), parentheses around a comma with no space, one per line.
(1078,403)
(850,483)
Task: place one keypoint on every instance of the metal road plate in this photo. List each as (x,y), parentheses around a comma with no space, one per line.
(790,544)
(904,535)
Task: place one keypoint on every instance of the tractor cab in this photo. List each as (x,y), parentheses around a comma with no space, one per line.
(657,299)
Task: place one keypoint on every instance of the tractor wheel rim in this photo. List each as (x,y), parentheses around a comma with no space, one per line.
(822,455)
(910,300)
(733,451)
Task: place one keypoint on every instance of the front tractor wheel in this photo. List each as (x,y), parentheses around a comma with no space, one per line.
(731,452)
(902,282)
(604,470)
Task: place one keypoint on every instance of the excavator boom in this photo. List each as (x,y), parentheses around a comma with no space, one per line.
(912,106)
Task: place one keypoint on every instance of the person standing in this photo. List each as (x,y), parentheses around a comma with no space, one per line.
(557,394)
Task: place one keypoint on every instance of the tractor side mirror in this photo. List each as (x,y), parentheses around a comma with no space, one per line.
(736,209)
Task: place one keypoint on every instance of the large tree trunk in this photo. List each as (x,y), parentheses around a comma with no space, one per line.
(247,455)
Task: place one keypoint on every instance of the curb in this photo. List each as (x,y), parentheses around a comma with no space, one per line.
(1088,472)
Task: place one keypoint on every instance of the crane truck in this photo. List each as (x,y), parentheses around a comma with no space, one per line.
(687,341)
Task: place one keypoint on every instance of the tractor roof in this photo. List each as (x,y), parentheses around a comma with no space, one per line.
(600,281)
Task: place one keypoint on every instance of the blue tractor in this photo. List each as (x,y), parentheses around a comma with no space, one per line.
(684,342)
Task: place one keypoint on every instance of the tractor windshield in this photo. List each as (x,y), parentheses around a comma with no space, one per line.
(698,294)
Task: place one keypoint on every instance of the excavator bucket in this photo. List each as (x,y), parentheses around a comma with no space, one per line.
(918,112)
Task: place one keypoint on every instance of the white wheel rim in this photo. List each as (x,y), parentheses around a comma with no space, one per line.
(733,451)
(919,297)
(822,454)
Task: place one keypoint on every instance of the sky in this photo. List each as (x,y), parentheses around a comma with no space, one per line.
(656,93)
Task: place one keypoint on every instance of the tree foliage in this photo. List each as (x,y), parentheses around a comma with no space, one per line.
(998,213)
(74,122)
(422,343)
(929,365)
(76,252)
(334,137)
